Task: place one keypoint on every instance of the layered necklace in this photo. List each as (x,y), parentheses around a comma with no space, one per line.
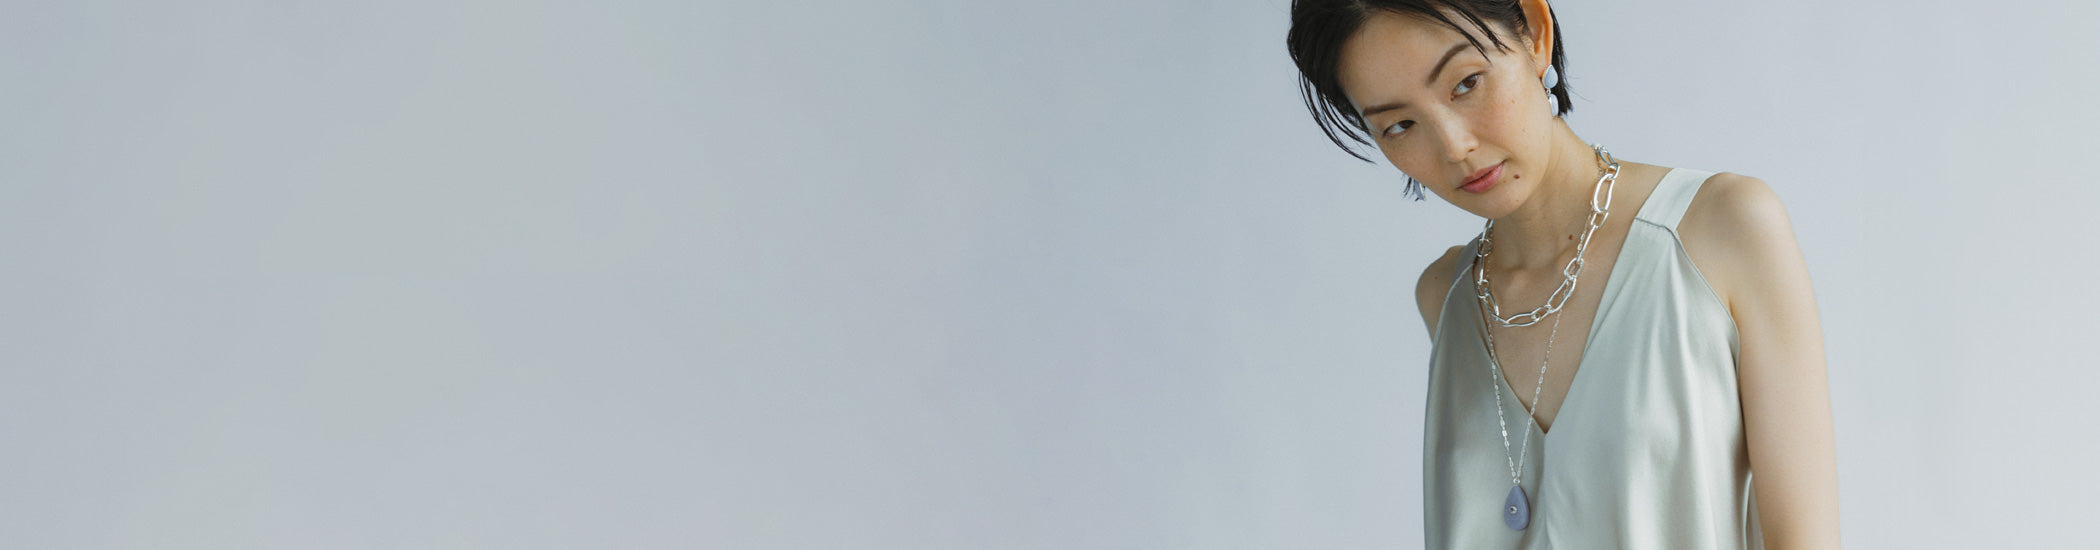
(1516,508)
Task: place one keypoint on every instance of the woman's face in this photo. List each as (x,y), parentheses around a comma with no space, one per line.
(1442,112)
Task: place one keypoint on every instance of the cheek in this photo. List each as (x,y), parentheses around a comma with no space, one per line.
(1506,119)
(1413,164)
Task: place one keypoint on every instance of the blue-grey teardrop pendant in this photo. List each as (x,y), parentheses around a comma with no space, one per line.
(1516,513)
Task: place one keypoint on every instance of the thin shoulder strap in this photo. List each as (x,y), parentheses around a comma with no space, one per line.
(1465,259)
(1666,205)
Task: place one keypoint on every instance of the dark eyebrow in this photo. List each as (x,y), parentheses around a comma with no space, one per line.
(1375,109)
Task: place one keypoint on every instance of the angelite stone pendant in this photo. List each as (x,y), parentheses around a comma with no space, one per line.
(1516,513)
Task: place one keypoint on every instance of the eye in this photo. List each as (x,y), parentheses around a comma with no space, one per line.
(1402,125)
(1474,80)
(1464,86)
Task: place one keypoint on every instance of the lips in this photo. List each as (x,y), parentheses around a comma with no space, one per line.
(1480,181)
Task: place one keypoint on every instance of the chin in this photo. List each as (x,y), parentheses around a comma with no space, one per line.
(1492,205)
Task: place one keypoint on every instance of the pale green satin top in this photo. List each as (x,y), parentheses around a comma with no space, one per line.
(1647,449)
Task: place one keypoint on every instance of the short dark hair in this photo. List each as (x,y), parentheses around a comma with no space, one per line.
(1319,27)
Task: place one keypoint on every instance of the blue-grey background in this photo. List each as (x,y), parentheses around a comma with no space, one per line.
(937,274)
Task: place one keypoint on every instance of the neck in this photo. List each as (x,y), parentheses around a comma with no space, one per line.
(1546,227)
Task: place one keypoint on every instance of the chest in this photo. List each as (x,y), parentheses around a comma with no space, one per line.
(1541,361)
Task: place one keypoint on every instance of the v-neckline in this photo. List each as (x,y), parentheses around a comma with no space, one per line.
(1611,286)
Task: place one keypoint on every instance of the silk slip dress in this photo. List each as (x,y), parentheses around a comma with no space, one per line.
(1647,449)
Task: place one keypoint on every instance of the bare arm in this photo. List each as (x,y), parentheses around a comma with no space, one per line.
(1785,390)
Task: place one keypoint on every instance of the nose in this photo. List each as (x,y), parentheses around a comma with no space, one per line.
(1457,141)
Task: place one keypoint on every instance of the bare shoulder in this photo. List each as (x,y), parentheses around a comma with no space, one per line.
(1435,282)
(1736,198)
(1735,229)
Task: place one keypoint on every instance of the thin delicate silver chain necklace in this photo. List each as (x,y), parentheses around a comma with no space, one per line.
(1516,507)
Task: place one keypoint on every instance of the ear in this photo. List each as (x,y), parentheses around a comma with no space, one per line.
(1540,34)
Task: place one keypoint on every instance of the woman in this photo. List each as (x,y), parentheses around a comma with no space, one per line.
(1693,357)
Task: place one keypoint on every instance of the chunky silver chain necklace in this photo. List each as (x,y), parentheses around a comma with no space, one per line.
(1516,508)
(1560,295)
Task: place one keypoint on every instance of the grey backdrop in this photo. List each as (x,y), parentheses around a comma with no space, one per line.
(937,274)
